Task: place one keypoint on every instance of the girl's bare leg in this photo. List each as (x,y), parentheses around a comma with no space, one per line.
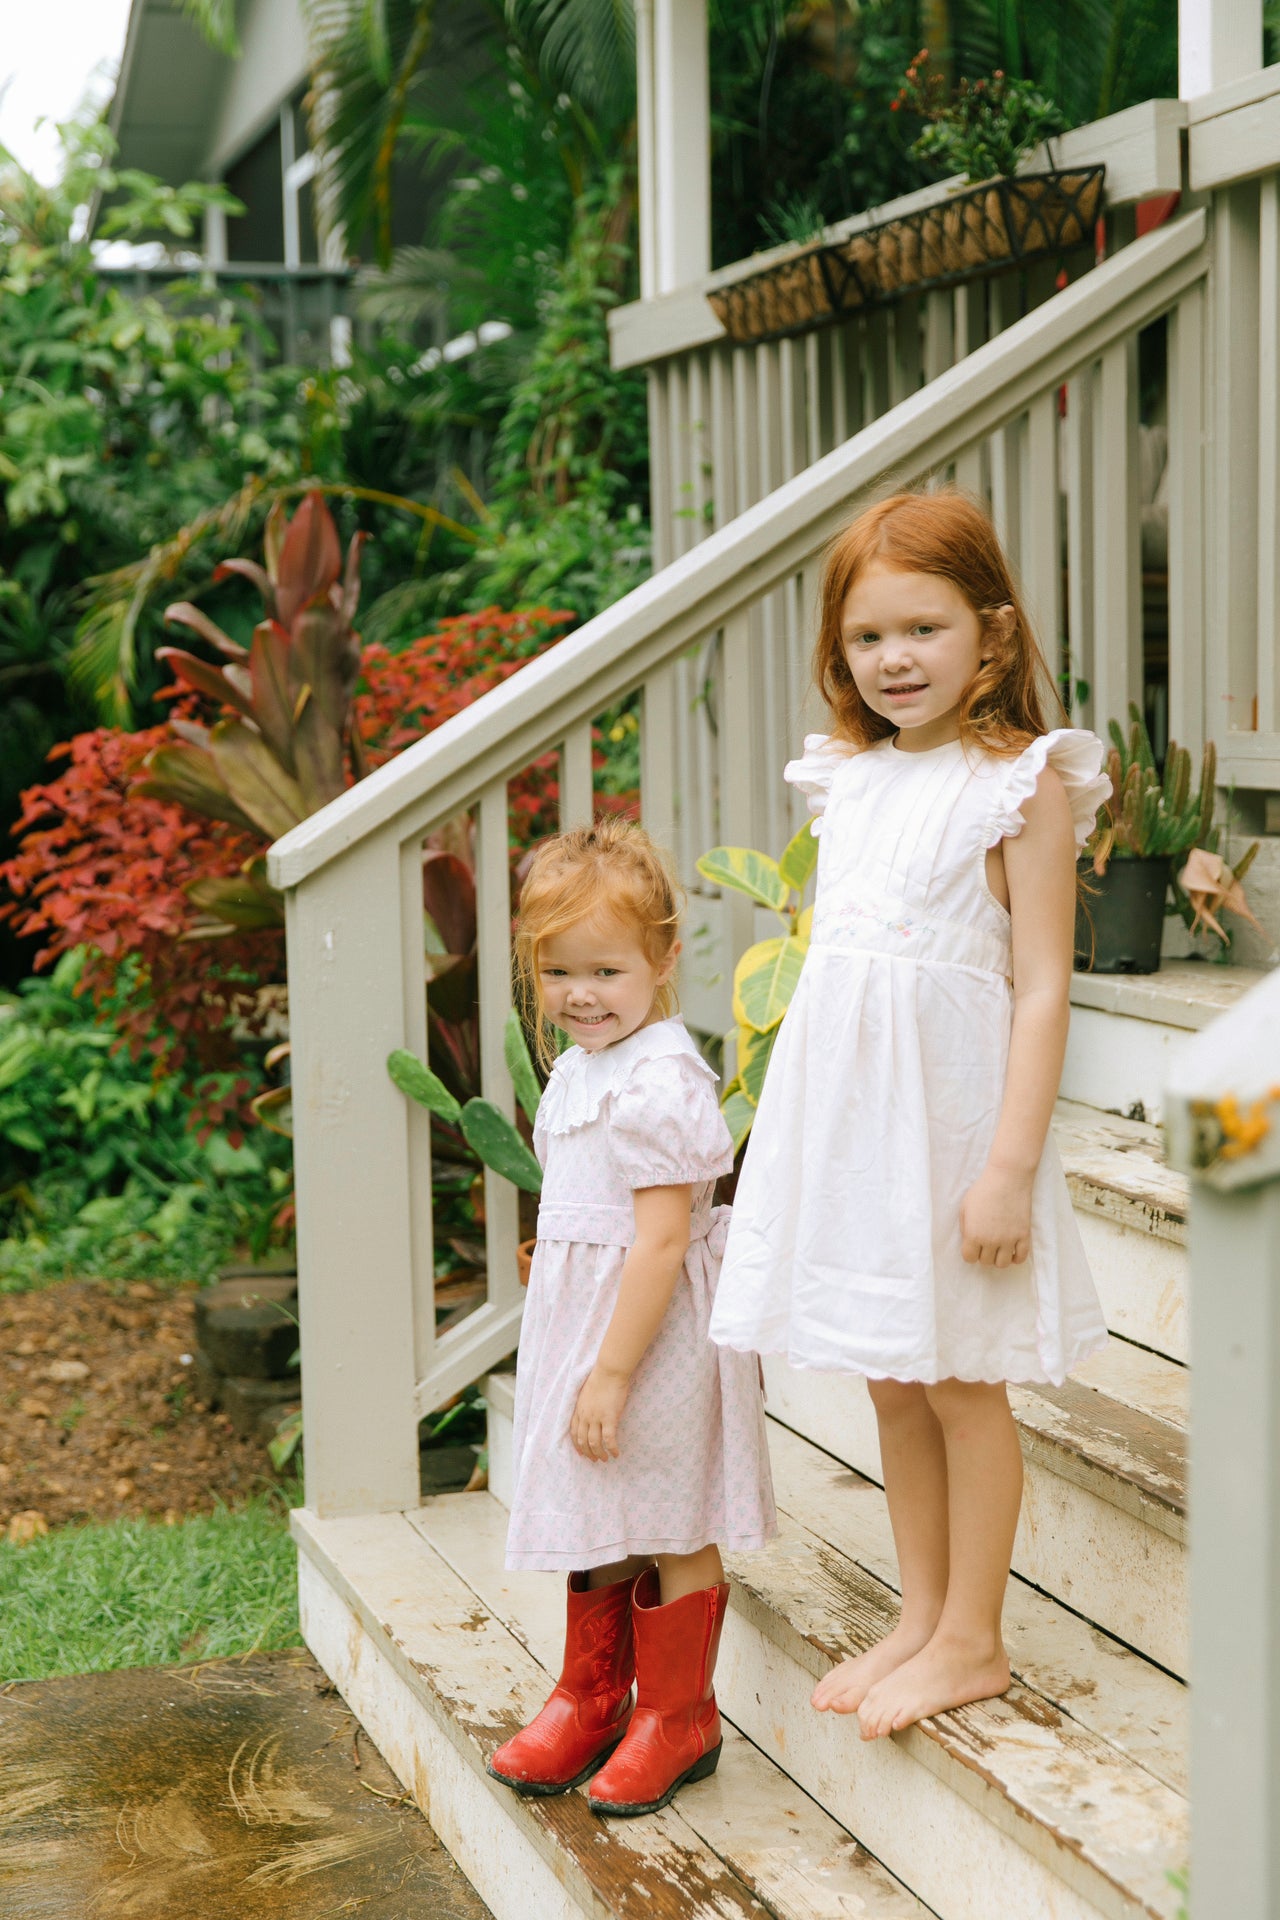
(681,1573)
(678,1573)
(915,1481)
(965,1658)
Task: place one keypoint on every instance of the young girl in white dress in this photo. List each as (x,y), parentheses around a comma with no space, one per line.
(901,1212)
(639,1445)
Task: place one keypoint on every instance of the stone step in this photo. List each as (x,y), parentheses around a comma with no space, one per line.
(1132,1213)
(441,1654)
(1103,1523)
(1126,1029)
(1077,1778)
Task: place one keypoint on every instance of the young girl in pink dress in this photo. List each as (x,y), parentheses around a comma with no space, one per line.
(901,1212)
(639,1446)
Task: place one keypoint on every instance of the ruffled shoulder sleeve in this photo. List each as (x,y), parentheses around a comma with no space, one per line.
(666,1128)
(1076,757)
(816,768)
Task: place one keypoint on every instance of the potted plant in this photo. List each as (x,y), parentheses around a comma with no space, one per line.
(766,975)
(1147,824)
(982,129)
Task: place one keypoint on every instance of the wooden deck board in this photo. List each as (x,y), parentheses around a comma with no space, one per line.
(1091,1678)
(795,1857)
(478,1684)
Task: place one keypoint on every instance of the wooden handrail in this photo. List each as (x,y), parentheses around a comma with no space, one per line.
(613,652)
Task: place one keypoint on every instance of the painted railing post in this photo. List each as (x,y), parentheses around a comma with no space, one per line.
(1223,1127)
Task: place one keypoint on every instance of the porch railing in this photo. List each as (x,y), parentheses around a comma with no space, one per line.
(372,1364)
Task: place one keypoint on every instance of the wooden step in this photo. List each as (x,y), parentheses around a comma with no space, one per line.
(1104,1508)
(441,1654)
(1126,1030)
(1067,1797)
(1132,1213)
(1077,1777)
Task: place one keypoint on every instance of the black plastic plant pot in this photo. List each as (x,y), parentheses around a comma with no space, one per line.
(1120,919)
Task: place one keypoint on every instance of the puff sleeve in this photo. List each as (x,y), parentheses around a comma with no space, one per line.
(814,771)
(1076,757)
(666,1128)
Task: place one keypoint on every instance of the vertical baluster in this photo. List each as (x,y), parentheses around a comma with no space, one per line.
(348,995)
(1187,520)
(493,972)
(769,428)
(738,771)
(577,791)
(418,1120)
(1042,537)
(853,354)
(817,409)
(792,409)
(682,537)
(1078,435)
(684,735)
(660,791)
(1232,554)
(660,481)
(905,368)
(746,410)
(970,319)
(725,431)
(699,448)
(939,332)
(1004,446)
(1117,536)
(1268,670)
(876,337)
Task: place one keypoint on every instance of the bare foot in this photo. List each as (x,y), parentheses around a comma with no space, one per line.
(844,1689)
(942,1675)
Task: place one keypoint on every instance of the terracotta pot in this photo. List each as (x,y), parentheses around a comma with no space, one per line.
(524,1260)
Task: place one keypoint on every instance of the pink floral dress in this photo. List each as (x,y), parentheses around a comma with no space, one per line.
(694,1463)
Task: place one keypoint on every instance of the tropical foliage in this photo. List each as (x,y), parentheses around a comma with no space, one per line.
(765,977)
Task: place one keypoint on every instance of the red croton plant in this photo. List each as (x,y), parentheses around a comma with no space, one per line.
(149,842)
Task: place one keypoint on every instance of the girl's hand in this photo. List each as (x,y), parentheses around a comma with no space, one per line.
(995,1218)
(594,1426)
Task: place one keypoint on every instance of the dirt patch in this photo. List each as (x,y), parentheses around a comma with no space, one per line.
(99,1415)
(238,1787)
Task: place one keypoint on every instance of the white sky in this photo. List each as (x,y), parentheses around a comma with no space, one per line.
(50,51)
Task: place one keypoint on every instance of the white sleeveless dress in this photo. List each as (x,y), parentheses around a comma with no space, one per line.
(694,1462)
(886,1083)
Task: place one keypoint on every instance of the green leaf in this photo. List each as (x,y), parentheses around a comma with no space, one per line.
(799,858)
(515,1050)
(746,871)
(422,1085)
(284,1443)
(754,1050)
(764,980)
(495,1139)
(738,1115)
(255,779)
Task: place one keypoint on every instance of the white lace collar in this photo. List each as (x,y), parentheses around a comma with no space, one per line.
(581,1081)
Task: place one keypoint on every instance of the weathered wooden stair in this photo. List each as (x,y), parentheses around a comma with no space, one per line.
(1065,1800)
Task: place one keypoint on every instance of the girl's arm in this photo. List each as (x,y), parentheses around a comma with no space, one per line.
(648,1281)
(1040,867)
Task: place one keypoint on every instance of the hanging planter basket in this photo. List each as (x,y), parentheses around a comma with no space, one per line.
(999,223)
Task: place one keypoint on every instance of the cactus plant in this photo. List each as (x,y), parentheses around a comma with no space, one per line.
(1147,817)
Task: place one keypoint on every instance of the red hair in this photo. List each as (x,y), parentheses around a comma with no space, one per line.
(949,534)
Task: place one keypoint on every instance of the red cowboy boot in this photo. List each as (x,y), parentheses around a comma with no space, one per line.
(590,1707)
(674,1734)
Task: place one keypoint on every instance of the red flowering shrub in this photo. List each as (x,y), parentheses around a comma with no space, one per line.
(103,866)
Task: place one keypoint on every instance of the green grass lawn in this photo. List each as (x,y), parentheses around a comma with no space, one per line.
(139,1593)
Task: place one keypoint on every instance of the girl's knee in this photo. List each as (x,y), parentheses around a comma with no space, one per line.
(964,1399)
(894,1398)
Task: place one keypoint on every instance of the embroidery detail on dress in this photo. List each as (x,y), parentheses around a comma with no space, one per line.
(903,924)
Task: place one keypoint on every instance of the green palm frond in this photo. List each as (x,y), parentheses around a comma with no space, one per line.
(368,54)
(216,20)
(583,48)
